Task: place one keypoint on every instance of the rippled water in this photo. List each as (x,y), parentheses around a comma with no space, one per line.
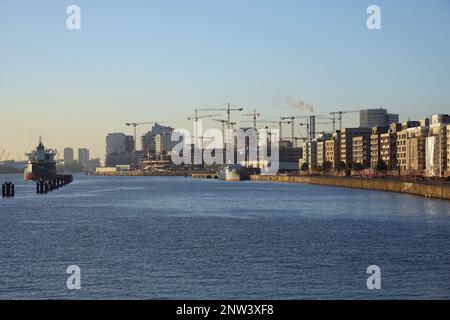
(169,237)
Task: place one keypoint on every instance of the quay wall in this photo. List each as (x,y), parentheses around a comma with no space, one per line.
(441,191)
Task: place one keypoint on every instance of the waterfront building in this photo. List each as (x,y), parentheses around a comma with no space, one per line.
(321,147)
(404,155)
(312,154)
(333,149)
(68,155)
(388,146)
(116,143)
(157,141)
(130,144)
(347,135)
(370,118)
(361,150)
(375,145)
(447,173)
(83,156)
(436,146)
(320,153)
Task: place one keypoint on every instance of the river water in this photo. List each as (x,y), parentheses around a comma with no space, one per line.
(182,238)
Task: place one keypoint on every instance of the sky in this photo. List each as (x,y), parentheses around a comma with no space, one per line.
(143,61)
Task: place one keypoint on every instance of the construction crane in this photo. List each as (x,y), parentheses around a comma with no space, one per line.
(228,109)
(254,115)
(339,116)
(196,117)
(134,125)
(332,119)
(223,127)
(279,122)
(292,118)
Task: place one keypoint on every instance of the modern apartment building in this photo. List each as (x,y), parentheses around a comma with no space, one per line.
(402,140)
(157,140)
(347,135)
(115,143)
(333,149)
(361,150)
(448,151)
(375,145)
(436,146)
(320,153)
(321,147)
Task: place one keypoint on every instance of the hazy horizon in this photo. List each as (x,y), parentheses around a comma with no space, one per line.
(142,61)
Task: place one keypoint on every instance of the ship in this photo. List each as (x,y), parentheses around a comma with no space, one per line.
(41,164)
(233,172)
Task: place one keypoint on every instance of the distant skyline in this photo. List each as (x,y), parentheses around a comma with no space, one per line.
(158,60)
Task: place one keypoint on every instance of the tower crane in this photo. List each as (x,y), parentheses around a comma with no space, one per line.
(339,114)
(254,115)
(196,117)
(228,109)
(134,125)
(223,122)
(292,118)
(279,122)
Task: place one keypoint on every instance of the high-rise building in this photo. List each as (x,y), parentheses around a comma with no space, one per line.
(83,156)
(376,118)
(68,155)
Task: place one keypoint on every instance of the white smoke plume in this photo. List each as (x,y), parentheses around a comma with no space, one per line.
(291,101)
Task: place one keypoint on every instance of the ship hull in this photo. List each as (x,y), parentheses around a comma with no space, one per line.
(232,173)
(40,171)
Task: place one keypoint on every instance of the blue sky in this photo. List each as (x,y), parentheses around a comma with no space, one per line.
(158,60)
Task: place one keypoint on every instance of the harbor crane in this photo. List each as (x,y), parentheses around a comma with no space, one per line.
(339,114)
(134,125)
(254,115)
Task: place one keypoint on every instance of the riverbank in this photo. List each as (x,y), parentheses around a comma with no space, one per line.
(441,191)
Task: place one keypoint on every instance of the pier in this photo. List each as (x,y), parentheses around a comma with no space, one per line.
(8,189)
(45,186)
